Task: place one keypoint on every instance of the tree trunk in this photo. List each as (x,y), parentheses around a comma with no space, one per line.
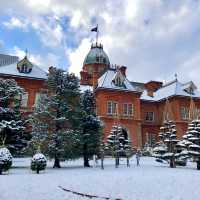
(86,161)
(127,161)
(198,165)
(102,158)
(56,162)
(38,171)
(116,162)
(172,163)
(85,156)
(0,171)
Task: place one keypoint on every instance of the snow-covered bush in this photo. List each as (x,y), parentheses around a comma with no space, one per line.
(5,160)
(191,142)
(166,149)
(38,162)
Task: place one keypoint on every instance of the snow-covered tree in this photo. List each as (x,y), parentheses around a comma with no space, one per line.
(11,122)
(118,144)
(191,142)
(5,159)
(91,127)
(40,127)
(38,162)
(56,120)
(166,148)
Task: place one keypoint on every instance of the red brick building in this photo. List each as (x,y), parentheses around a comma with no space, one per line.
(27,75)
(138,107)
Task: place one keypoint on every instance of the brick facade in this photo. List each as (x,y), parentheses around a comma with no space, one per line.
(142,126)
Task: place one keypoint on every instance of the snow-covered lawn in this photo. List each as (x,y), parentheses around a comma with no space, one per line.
(150,181)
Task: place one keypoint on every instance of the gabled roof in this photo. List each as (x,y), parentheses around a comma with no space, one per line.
(8,67)
(106,82)
(173,88)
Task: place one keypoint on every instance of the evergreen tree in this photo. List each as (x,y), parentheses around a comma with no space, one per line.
(91,127)
(12,125)
(118,145)
(40,127)
(166,148)
(56,122)
(191,142)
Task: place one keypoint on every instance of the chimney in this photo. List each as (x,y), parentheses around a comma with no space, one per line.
(95,79)
(123,70)
(84,76)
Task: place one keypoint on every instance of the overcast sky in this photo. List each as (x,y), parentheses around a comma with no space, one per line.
(154,38)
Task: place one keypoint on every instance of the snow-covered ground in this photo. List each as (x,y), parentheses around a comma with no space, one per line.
(150,181)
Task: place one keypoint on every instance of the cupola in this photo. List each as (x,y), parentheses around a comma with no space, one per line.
(24,66)
(96,55)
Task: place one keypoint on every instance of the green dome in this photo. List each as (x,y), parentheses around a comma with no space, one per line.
(96,55)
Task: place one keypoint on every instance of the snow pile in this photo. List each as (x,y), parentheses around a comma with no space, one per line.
(5,159)
(38,162)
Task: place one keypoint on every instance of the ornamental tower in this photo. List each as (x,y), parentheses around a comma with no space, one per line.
(95,64)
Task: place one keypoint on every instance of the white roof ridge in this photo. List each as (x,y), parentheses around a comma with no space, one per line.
(169,83)
(106,73)
(40,68)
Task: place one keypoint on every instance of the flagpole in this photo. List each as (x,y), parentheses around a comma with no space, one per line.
(97,34)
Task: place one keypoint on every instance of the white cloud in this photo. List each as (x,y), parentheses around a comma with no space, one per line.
(16,23)
(50,33)
(153,38)
(76,57)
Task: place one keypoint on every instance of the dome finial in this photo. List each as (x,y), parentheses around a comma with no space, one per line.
(176,76)
(26,53)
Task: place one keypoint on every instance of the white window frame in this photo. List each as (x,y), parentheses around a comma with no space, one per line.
(128,109)
(184,111)
(37,96)
(198,113)
(112,108)
(109,108)
(147,115)
(151,139)
(24,99)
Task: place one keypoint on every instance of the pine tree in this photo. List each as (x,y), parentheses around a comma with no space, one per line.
(91,127)
(118,145)
(12,124)
(166,148)
(191,141)
(40,127)
(65,114)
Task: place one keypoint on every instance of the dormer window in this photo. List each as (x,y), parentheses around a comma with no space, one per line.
(118,79)
(24,66)
(190,88)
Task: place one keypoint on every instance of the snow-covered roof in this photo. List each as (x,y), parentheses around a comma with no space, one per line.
(83,88)
(106,81)
(8,67)
(173,88)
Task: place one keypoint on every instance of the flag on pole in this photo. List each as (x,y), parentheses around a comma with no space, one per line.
(95,29)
